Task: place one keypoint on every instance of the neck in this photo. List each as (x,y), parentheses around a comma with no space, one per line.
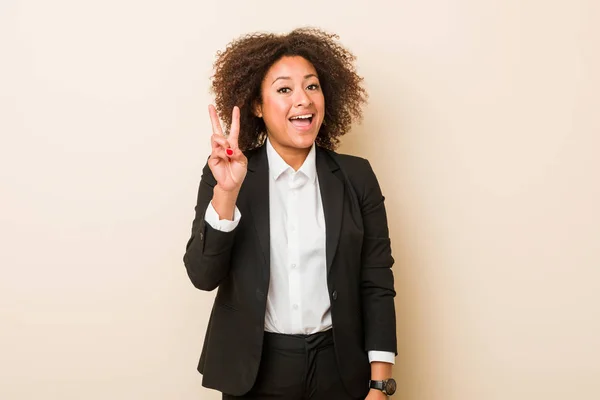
(293,156)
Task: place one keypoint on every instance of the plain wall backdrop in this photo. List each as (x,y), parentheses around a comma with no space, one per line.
(482,127)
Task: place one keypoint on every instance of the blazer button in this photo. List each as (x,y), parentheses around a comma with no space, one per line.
(334,294)
(201,236)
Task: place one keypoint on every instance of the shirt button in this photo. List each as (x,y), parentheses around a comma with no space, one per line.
(295,306)
(293,266)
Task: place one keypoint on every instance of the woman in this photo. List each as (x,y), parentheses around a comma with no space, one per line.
(292,234)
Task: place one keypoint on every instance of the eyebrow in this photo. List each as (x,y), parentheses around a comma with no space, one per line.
(287,77)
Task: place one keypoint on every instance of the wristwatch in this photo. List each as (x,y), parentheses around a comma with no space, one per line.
(388,387)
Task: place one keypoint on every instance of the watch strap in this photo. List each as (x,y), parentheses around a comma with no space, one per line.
(379,385)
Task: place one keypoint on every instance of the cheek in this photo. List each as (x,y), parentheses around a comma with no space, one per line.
(276,110)
(319,102)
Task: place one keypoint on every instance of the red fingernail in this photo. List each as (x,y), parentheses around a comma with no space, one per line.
(229,152)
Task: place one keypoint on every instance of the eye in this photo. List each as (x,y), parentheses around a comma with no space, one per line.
(314,86)
(284,90)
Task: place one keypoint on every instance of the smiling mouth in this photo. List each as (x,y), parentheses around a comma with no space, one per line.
(302,121)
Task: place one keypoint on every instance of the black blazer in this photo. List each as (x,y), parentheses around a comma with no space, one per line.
(359,275)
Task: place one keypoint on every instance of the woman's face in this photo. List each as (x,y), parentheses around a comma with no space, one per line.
(293,105)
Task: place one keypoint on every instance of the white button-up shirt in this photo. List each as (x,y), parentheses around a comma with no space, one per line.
(298,299)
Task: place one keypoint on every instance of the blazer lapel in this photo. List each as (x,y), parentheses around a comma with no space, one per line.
(332,196)
(257,183)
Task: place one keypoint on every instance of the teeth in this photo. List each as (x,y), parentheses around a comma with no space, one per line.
(302,116)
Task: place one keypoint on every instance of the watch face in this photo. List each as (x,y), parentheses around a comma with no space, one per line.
(390,387)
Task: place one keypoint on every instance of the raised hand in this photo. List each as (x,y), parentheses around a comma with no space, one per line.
(227,162)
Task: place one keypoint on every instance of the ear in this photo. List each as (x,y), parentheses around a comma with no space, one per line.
(257,109)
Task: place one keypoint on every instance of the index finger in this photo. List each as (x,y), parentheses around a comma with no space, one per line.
(235,128)
(214,120)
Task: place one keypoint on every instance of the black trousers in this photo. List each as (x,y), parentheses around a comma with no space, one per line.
(297,367)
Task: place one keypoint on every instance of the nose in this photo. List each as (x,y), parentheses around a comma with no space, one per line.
(302,99)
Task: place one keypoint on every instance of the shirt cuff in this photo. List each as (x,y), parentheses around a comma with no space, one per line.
(381,356)
(224,225)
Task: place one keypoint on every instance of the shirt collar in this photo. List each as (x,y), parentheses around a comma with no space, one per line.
(278,166)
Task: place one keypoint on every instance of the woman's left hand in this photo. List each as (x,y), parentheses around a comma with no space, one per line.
(375,394)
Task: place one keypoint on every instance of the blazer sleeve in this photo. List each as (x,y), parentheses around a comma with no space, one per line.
(377,279)
(208,251)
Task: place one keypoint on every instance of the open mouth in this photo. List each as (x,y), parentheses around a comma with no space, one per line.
(302,121)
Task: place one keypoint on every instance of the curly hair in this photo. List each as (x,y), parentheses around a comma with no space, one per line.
(242,66)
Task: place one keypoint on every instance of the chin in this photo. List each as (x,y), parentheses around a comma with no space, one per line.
(303,141)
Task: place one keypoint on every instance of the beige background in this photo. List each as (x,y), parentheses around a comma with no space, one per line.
(483,130)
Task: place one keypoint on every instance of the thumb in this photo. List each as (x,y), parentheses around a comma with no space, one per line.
(236,155)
